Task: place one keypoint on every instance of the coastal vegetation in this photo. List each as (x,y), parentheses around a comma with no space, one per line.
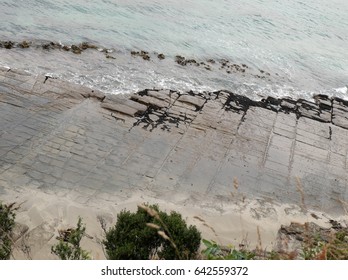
(69,247)
(314,248)
(153,234)
(150,233)
(7,223)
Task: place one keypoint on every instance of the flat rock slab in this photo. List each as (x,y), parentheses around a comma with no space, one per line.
(73,142)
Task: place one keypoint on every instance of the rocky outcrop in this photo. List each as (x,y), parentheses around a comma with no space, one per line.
(145,55)
(49,45)
(71,140)
(210,64)
(322,109)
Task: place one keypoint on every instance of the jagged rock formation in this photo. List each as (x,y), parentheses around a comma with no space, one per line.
(313,240)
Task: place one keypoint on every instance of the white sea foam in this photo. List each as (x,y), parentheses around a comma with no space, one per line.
(342,90)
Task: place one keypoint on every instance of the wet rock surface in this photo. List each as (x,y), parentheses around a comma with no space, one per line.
(225,65)
(8,44)
(48,45)
(72,141)
(161,56)
(24,45)
(145,55)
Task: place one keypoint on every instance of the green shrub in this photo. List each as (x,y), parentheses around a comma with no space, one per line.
(131,239)
(149,233)
(7,222)
(68,247)
(186,239)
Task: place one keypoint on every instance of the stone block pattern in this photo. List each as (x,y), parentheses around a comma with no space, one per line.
(75,142)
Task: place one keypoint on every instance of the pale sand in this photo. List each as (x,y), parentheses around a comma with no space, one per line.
(229,224)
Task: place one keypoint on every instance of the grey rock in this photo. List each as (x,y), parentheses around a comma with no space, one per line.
(63,137)
(194,100)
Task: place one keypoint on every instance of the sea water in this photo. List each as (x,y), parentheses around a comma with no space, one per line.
(303,45)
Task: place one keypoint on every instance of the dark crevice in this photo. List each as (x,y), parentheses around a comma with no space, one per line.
(330,133)
(162,118)
(241,120)
(48,77)
(117,118)
(200,108)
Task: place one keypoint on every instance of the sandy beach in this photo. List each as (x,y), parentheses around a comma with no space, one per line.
(235,224)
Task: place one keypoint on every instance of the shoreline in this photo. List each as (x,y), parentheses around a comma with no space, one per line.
(227,160)
(150,68)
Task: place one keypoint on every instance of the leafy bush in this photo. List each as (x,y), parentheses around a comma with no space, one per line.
(131,239)
(150,232)
(186,239)
(68,247)
(7,222)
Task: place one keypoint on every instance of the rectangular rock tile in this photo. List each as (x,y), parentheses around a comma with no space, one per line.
(284,133)
(311,151)
(148,100)
(280,156)
(194,100)
(277,167)
(252,131)
(314,127)
(340,121)
(321,143)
